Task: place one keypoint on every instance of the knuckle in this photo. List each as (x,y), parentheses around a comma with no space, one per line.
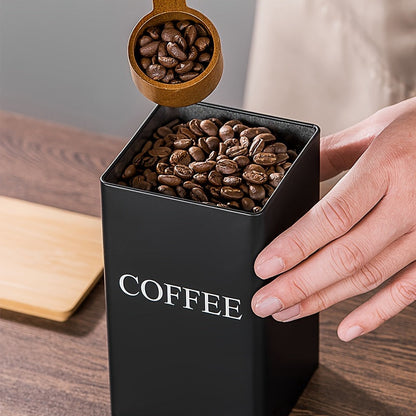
(321,301)
(298,289)
(299,243)
(346,258)
(381,315)
(404,292)
(336,212)
(370,277)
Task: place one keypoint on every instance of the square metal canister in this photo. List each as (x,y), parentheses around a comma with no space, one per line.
(182,338)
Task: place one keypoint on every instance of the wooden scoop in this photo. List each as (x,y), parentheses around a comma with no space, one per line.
(186,93)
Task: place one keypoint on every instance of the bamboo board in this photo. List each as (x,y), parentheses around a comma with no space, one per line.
(50,259)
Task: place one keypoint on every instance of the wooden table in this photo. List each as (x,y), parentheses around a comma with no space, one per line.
(49,368)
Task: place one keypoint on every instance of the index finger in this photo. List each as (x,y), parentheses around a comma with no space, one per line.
(334,215)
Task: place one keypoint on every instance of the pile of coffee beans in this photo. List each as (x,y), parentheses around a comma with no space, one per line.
(228,164)
(174,52)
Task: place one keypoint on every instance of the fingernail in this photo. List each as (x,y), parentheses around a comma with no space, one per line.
(268,306)
(270,267)
(351,333)
(288,314)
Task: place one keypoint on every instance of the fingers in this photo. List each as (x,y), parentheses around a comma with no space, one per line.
(387,303)
(335,262)
(389,262)
(349,201)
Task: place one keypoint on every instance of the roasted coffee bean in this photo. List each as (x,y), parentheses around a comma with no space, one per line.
(201,30)
(129,172)
(267,137)
(215,191)
(145,63)
(232,181)
(198,195)
(182,24)
(168,61)
(202,43)
(256,192)
(144,40)
(169,76)
(244,188)
(170,34)
(156,72)
(201,178)
(190,185)
(181,191)
(149,49)
(244,141)
(220,157)
(226,166)
(232,122)
(193,55)
(256,209)
(265,159)
(198,67)
(149,161)
(238,128)
(188,76)
(252,132)
(286,165)
(164,131)
(231,142)
(150,176)
(184,67)
(233,204)
(167,190)
(194,126)
(269,189)
(209,128)
(281,160)
(161,167)
(229,192)
(213,155)
(204,57)
(257,146)
(275,148)
(254,167)
(184,172)
(154,32)
(169,171)
(269,170)
(161,50)
(256,177)
(122,183)
(292,155)
(247,204)
(236,151)
(180,157)
(182,43)
(191,34)
(160,151)
(215,178)
(212,142)
(159,142)
(182,143)
(197,153)
(140,183)
(222,148)
(201,167)
(216,121)
(176,52)
(263,201)
(202,143)
(279,169)
(226,132)
(170,180)
(242,161)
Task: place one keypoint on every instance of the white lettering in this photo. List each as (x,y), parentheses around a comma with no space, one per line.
(123,287)
(208,303)
(170,294)
(144,291)
(188,298)
(228,308)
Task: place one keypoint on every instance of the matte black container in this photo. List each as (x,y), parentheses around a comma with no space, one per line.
(183,340)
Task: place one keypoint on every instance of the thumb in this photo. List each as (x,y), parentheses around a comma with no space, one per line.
(341,150)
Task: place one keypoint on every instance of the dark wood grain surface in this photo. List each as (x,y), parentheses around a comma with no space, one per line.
(49,368)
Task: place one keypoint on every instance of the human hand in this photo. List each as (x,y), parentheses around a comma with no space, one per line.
(362,233)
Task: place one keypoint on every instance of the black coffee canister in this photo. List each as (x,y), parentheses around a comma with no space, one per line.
(183,340)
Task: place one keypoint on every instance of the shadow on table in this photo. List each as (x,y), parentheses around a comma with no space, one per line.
(80,324)
(328,393)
